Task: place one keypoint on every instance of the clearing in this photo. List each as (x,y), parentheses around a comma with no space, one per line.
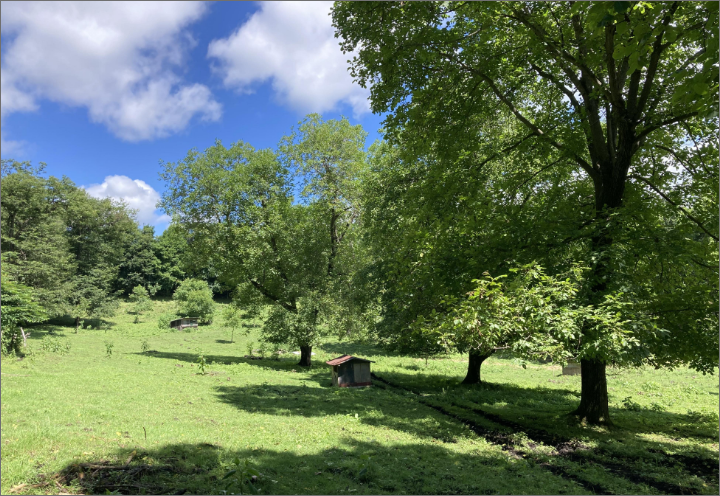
(146,422)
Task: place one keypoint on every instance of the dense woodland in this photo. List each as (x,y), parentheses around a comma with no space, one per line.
(547,187)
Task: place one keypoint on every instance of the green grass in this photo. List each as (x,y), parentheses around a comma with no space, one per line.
(65,412)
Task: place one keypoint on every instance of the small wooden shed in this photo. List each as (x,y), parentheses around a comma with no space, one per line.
(184,322)
(350,371)
(572,368)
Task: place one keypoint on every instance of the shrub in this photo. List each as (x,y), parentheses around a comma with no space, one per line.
(194,299)
(164,320)
(141,301)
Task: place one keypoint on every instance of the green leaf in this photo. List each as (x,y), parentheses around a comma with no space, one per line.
(230,473)
(621,7)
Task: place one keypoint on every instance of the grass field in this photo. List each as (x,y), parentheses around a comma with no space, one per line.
(75,420)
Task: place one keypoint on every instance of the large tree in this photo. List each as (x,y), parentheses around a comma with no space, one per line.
(599,85)
(237,207)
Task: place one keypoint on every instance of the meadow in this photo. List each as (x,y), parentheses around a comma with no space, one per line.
(126,408)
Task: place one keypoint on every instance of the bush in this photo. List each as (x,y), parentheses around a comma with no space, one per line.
(194,299)
(141,301)
(164,321)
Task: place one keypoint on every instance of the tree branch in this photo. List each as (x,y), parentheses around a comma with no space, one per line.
(560,86)
(679,207)
(658,48)
(267,294)
(504,150)
(654,127)
(533,127)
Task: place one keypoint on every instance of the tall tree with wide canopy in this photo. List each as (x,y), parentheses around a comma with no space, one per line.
(598,83)
(237,207)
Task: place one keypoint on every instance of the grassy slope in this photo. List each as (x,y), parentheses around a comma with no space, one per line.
(307,437)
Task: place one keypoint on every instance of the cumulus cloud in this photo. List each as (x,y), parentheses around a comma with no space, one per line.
(117,59)
(138,194)
(293,45)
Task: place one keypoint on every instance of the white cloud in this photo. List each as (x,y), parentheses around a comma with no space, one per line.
(117,59)
(138,194)
(292,44)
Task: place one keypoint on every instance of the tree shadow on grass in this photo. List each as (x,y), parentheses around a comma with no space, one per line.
(284,364)
(369,406)
(352,466)
(547,409)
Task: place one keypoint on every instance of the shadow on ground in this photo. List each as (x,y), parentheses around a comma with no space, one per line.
(352,467)
(546,409)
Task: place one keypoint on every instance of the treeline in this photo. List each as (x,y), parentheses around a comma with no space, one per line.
(78,254)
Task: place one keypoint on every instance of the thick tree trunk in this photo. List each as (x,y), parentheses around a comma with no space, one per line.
(77,324)
(594,397)
(609,191)
(305,356)
(476,360)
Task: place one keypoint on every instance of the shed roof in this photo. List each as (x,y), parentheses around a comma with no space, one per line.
(346,358)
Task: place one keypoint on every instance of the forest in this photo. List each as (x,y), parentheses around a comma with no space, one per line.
(545,193)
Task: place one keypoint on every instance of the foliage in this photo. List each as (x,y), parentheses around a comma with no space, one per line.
(35,246)
(242,476)
(19,307)
(61,242)
(141,300)
(109,345)
(52,344)
(144,346)
(538,316)
(164,319)
(294,256)
(202,363)
(232,316)
(194,299)
(551,132)
(141,266)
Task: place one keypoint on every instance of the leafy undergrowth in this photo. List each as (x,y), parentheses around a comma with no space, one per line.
(141,419)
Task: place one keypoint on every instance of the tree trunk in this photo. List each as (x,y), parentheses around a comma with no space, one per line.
(305,356)
(609,191)
(476,360)
(77,324)
(594,397)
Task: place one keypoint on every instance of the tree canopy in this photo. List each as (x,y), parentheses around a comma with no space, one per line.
(237,205)
(605,96)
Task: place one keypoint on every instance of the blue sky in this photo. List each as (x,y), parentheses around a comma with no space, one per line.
(102,91)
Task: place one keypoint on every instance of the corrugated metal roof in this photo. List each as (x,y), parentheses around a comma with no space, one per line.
(346,358)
